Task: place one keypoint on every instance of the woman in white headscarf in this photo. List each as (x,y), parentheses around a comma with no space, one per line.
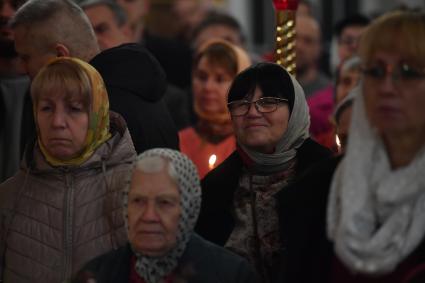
(375,209)
(271,123)
(162,204)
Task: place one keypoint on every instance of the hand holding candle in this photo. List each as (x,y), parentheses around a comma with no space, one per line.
(285,33)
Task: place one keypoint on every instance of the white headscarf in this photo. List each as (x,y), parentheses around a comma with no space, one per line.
(295,135)
(153,269)
(376,215)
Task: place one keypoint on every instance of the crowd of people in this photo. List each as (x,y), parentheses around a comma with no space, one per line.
(127,155)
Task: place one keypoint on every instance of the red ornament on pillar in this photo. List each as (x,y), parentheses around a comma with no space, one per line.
(285,33)
(285,5)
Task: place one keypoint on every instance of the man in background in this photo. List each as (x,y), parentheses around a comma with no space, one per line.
(308,49)
(45,29)
(14,86)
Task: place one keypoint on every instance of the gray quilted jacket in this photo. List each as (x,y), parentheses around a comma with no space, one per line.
(55,219)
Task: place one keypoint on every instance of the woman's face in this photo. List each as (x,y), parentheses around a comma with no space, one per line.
(347,81)
(261,131)
(210,84)
(154,212)
(63,124)
(395,101)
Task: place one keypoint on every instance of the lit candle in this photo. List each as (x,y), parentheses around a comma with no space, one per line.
(338,143)
(285,33)
(212,160)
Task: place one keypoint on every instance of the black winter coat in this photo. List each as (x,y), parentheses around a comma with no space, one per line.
(207,262)
(308,254)
(136,84)
(216,221)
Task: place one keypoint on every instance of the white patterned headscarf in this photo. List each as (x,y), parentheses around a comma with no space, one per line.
(376,214)
(153,269)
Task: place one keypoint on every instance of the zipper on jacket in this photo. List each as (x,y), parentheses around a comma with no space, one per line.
(68,226)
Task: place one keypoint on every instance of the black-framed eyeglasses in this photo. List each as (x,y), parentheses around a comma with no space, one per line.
(401,74)
(263,105)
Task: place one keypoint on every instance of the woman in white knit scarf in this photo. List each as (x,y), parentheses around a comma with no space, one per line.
(376,208)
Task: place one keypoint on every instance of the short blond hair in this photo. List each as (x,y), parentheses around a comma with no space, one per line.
(401,31)
(62,77)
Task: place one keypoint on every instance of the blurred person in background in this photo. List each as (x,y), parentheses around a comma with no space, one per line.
(218,24)
(14,86)
(345,42)
(308,50)
(348,78)
(215,65)
(162,203)
(110,25)
(136,11)
(188,15)
(342,120)
(322,106)
(109,22)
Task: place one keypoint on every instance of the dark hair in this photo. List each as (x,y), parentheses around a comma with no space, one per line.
(118,12)
(219,54)
(16,4)
(271,78)
(215,18)
(356,20)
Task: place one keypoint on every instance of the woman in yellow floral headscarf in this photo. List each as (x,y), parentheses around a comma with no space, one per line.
(65,202)
(83,100)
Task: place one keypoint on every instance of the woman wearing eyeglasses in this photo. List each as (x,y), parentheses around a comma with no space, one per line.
(271,123)
(365,220)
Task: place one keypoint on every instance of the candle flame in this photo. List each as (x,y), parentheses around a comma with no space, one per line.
(338,142)
(212,160)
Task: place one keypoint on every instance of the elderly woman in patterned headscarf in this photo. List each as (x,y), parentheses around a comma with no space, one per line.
(162,203)
(60,210)
(271,122)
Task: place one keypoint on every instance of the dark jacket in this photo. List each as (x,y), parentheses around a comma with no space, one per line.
(174,56)
(208,263)
(136,84)
(216,221)
(308,254)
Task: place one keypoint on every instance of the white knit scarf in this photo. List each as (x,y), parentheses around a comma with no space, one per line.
(376,215)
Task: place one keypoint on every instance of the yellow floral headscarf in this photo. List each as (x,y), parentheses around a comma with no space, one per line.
(98,128)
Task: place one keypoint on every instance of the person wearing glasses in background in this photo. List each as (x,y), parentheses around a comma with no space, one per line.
(271,123)
(364,222)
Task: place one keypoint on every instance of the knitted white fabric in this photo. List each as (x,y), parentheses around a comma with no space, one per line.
(375,214)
